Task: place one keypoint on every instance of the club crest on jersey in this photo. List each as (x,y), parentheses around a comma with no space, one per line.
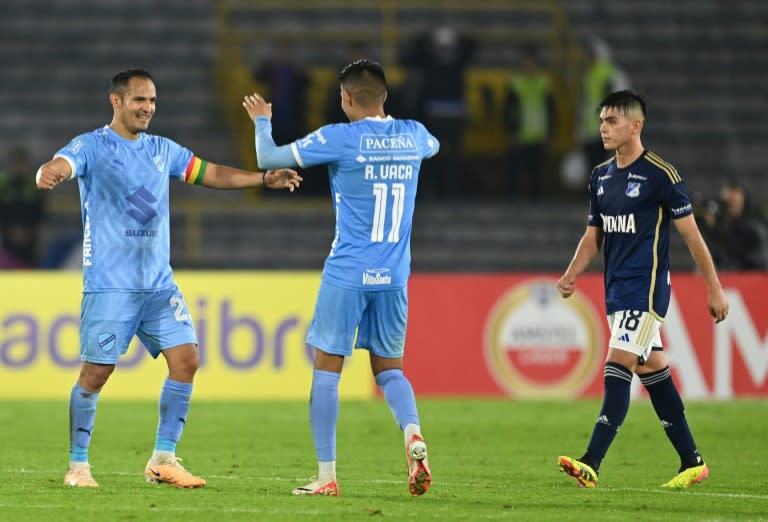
(159,162)
(106,341)
(633,189)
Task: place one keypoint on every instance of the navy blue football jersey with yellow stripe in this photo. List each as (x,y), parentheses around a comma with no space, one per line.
(634,207)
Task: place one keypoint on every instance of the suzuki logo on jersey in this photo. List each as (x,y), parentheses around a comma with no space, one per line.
(141,201)
(383,142)
(377,276)
(623,223)
(636,176)
(633,189)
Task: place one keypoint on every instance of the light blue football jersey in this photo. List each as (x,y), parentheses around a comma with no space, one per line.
(124,205)
(373,165)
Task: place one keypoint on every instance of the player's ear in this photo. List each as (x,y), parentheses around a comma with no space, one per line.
(346,96)
(114,100)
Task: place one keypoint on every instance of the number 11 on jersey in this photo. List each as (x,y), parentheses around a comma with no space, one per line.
(380,212)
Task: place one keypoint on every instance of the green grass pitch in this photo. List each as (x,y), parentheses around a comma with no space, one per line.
(491,460)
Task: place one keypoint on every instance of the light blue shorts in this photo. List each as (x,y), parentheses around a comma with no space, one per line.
(109,320)
(379,319)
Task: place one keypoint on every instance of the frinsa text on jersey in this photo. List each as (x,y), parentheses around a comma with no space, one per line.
(624,223)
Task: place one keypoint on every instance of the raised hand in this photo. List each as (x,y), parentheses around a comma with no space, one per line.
(255,106)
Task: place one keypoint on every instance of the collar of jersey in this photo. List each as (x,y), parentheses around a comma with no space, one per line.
(379,118)
(135,144)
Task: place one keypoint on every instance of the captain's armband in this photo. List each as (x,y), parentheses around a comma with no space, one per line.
(195,171)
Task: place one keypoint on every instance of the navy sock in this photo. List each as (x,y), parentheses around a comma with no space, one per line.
(398,393)
(174,406)
(617,380)
(82,413)
(323,413)
(669,407)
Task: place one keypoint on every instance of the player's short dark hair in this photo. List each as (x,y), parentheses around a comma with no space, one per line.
(365,80)
(624,101)
(119,83)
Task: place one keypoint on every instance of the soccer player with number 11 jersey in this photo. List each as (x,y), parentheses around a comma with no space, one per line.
(373,165)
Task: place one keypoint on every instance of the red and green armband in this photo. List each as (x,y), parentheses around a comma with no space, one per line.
(195,171)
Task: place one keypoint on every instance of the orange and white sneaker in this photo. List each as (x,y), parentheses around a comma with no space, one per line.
(419,475)
(329,489)
(169,471)
(79,476)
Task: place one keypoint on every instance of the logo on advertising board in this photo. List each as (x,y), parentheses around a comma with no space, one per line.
(537,344)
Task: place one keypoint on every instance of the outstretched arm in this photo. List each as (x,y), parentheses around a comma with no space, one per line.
(588,248)
(268,154)
(224,177)
(689,231)
(52,173)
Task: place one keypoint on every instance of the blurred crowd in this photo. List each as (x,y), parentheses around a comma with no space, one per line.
(22,211)
(431,87)
(735,229)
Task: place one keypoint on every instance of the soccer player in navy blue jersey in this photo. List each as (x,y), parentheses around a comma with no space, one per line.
(634,197)
(123,175)
(373,165)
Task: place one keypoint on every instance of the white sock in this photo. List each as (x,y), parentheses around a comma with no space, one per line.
(327,471)
(410,430)
(162,456)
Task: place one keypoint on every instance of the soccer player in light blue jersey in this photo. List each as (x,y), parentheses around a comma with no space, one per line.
(123,175)
(634,198)
(373,165)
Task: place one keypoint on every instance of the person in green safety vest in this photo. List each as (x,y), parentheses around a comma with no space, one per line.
(529,124)
(601,77)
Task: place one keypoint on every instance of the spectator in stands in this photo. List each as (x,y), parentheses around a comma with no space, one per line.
(21,211)
(601,77)
(529,118)
(435,63)
(737,231)
(287,86)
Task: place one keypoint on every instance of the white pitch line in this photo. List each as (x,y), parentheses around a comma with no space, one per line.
(695,492)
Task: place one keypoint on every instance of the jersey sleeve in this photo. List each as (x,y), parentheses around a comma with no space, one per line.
(675,198)
(321,147)
(428,144)
(595,218)
(78,153)
(180,161)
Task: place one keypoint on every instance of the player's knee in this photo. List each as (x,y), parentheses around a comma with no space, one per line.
(93,377)
(183,362)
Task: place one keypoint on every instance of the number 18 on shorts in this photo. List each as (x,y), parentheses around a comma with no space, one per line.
(634,331)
